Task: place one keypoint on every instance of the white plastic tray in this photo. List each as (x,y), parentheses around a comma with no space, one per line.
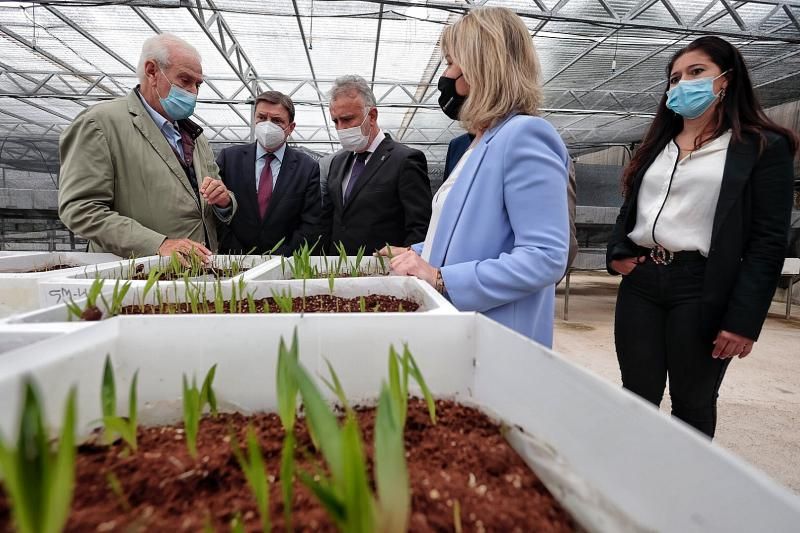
(19,288)
(56,290)
(400,286)
(614,461)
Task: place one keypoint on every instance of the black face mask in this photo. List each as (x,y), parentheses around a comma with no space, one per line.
(449,100)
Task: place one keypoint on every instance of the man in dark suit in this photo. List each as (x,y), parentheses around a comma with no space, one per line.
(277,186)
(378,189)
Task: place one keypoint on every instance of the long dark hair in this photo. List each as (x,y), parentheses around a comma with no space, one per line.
(739,110)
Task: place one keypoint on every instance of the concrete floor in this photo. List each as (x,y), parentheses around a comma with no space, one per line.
(759,403)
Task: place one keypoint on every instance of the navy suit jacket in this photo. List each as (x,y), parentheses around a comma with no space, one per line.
(293,211)
(456,148)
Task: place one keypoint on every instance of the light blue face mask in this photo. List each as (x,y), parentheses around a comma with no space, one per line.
(179,103)
(691,98)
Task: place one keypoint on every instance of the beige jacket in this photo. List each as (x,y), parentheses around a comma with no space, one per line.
(121,185)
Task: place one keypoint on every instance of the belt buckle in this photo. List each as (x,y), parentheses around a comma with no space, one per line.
(660,255)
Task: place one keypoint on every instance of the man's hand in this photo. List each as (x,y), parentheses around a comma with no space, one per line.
(409,263)
(215,192)
(184,248)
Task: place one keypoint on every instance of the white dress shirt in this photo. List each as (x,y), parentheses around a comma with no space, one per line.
(371,150)
(438,204)
(685,193)
(275,165)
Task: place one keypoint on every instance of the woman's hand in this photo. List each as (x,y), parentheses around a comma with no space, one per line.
(728,345)
(408,263)
(626,266)
(391,251)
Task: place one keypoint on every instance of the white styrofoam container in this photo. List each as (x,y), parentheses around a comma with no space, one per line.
(17,336)
(615,462)
(407,287)
(19,288)
(283,269)
(9,253)
(60,289)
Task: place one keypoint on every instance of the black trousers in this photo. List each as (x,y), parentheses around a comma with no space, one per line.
(658,335)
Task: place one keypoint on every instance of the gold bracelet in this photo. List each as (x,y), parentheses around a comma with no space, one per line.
(438,283)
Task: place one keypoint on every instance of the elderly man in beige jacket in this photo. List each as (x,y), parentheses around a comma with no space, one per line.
(137,176)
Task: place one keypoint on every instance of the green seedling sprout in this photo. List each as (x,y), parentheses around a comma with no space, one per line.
(286,388)
(152,279)
(116,487)
(194,401)
(255,473)
(251,304)
(39,478)
(242,286)
(283,300)
(115,425)
(362,304)
(219,300)
(272,250)
(236,524)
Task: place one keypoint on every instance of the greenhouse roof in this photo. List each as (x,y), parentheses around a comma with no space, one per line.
(602,60)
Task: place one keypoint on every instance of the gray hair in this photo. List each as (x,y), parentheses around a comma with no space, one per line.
(159,48)
(352,83)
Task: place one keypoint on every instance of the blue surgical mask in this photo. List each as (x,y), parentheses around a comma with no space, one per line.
(691,98)
(179,103)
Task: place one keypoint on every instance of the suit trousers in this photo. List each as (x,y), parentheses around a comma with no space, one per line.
(658,334)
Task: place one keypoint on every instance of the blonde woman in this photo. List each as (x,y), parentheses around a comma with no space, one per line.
(499,233)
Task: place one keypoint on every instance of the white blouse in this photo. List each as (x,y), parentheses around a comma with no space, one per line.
(685,193)
(438,204)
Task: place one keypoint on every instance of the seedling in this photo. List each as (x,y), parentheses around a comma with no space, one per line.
(117,298)
(255,473)
(124,427)
(194,401)
(39,478)
(116,487)
(286,387)
(283,300)
(152,279)
(274,248)
(362,304)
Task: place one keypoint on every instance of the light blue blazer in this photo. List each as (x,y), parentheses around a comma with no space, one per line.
(503,234)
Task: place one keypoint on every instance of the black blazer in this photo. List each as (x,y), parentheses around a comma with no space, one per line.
(293,211)
(390,202)
(748,239)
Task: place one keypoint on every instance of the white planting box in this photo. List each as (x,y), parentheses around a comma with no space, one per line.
(614,461)
(369,266)
(17,336)
(19,287)
(406,287)
(60,289)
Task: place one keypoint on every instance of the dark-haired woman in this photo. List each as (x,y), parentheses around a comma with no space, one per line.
(701,235)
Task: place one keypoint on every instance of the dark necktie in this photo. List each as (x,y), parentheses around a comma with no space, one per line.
(358,167)
(265,186)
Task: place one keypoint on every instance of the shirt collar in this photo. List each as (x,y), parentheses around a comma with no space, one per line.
(260,152)
(157,117)
(375,142)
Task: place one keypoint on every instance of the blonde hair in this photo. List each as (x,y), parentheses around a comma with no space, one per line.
(495,52)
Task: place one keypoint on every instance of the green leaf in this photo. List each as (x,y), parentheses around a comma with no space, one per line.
(286,385)
(327,498)
(61,478)
(398,388)
(417,375)
(338,390)
(319,418)
(191,415)
(207,395)
(132,410)
(287,478)
(255,473)
(355,483)
(362,304)
(108,390)
(391,472)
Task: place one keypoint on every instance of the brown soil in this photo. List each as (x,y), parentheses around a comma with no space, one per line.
(323,303)
(217,273)
(463,458)
(51,268)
